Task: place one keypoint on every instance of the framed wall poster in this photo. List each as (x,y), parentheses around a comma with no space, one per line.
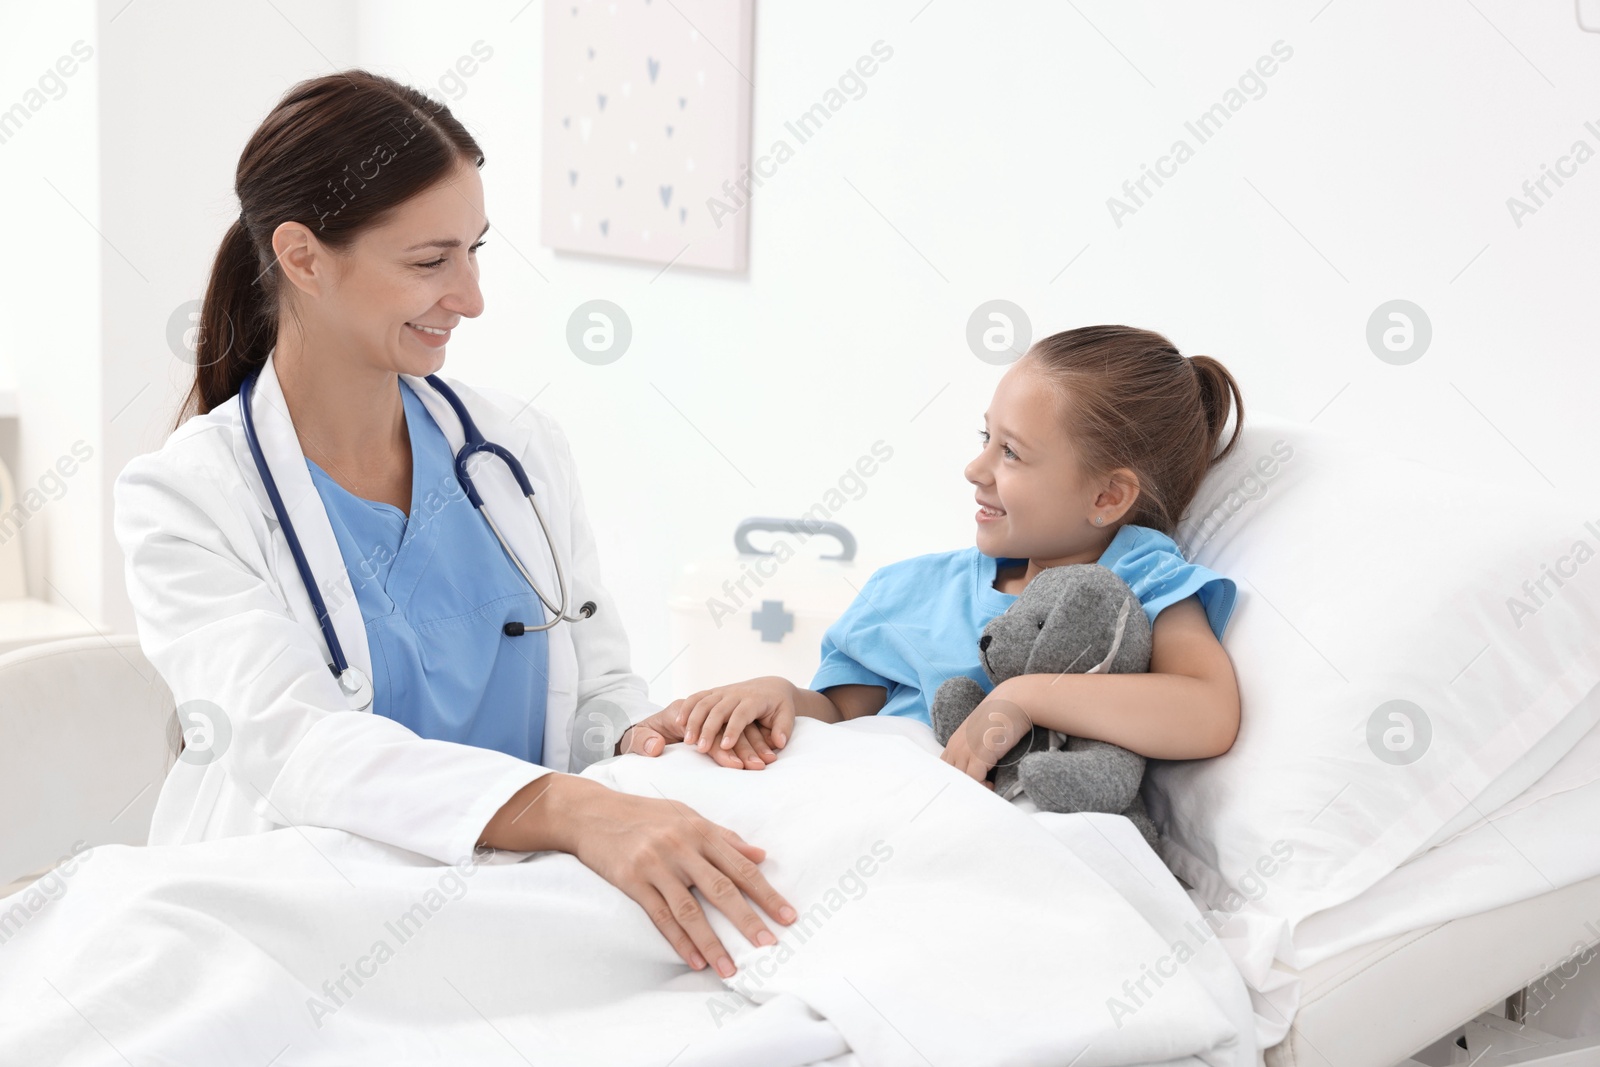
(646,116)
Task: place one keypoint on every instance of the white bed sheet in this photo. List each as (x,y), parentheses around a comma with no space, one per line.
(990,937)
(1540,841)
(1119,854)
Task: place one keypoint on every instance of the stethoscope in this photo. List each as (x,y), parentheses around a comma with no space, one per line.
(352,681)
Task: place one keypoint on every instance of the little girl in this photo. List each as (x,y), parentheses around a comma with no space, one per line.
(1094,445)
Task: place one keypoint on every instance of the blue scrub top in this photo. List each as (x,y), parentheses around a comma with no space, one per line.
(435,590)
(916,623)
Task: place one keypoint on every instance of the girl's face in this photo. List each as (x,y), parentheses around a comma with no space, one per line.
(1034,502)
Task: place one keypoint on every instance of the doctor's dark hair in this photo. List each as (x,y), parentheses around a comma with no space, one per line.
(338,153)
(1129,398)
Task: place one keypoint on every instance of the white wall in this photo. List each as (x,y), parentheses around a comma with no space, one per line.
(185,83)
(49,299)
(977,165)
(119,193)
(991,141)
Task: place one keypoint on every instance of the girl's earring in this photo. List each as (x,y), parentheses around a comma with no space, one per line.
(1099,520)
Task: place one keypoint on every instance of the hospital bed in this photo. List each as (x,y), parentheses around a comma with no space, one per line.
(1470,942)
(95,733)
(1522,952)
(1407,990)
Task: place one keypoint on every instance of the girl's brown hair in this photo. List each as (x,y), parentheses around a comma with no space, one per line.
(1131,399)
(338,153)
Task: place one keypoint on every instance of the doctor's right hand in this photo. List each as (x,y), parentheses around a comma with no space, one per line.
(651,736)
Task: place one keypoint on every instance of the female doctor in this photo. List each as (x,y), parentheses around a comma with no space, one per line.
(450,724)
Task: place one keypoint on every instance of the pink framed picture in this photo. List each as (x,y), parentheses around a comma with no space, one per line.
(647,130)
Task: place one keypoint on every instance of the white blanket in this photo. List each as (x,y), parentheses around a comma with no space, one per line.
(943,925)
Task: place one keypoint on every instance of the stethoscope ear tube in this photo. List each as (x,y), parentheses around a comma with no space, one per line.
(324,620)
(560,613)
(355,685)
(475,444)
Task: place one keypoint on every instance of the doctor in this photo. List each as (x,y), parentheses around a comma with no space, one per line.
(454,721)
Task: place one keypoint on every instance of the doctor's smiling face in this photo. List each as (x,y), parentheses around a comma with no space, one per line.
(391,300)
(1035,501)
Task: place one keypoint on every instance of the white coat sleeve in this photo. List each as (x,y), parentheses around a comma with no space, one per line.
(213,622)
(606,680)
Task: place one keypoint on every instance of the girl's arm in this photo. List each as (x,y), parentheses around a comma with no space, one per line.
(839,702)
(1187,707)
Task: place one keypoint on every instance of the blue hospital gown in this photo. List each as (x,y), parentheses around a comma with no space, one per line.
(916,623)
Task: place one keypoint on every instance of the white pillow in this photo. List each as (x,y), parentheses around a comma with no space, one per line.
(1365,579)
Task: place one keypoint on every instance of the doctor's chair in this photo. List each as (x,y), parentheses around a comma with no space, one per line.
(64,704)
(75,707)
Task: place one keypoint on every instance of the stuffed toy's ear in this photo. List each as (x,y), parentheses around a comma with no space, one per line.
(1096,626)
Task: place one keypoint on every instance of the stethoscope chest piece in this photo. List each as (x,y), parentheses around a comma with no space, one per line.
(357,688)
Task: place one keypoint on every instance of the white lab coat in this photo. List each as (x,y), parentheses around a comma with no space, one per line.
(224,618)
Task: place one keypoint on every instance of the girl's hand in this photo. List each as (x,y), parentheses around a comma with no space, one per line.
(713,719)
(651,736)
(992,730)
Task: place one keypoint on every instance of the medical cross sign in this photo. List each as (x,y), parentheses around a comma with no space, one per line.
(772,620)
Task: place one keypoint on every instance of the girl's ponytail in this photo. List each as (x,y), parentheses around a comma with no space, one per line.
(1219,395)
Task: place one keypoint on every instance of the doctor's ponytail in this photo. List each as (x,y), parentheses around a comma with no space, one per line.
(232,339)
(337,154)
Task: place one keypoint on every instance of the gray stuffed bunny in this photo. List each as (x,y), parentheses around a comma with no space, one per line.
(1074,619)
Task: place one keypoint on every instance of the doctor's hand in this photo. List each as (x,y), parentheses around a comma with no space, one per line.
(655,850)
(716,720)
(651,736)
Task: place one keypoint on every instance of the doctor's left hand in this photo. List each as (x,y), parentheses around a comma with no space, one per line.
(651,736)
